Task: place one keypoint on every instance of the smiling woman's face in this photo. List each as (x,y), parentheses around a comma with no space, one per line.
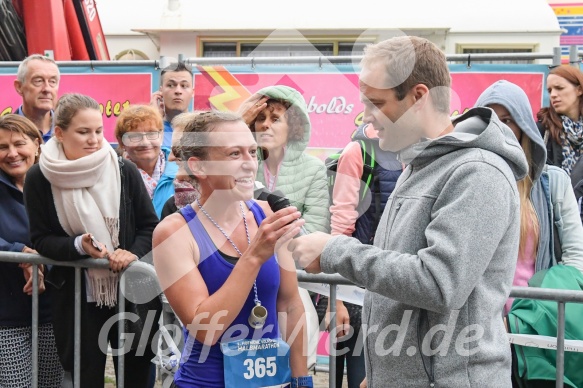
(142,150)
(84,135)
(17,153)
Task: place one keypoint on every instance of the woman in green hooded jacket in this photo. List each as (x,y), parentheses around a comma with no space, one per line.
(278,116)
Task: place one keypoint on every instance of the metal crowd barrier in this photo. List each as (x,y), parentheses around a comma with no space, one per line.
(14,257)
(560,296)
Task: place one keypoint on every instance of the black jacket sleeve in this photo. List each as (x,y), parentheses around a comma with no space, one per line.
(46,234)
(169,208)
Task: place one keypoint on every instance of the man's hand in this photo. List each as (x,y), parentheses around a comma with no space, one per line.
(363,384)
(306,250)
(157,101)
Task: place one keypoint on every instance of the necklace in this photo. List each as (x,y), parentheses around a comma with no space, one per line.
(258,313)
(221,229)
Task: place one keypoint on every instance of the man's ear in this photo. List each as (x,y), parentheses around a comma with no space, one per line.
(18,87)
(419,94)
(195,165)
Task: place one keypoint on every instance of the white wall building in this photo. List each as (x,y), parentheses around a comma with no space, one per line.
(148,29)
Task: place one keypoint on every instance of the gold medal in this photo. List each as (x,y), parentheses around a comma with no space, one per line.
(258,316)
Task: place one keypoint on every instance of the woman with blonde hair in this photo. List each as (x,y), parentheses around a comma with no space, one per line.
(85,202)
(225,268)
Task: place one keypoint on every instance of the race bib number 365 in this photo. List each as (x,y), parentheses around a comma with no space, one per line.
(256,363)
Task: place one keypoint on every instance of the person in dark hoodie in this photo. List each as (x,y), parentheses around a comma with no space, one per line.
(540,209)
(441,266)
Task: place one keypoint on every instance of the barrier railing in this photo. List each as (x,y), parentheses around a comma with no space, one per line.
(560,296)
(36,260)
(554,57)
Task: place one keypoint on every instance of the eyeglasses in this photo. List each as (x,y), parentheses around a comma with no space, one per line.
(136,137)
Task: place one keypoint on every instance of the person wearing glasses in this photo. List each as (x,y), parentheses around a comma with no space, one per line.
(139,131)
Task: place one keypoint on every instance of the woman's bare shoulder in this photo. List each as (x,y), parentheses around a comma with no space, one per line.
(169,225)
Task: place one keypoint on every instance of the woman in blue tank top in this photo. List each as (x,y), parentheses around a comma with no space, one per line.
(217,266)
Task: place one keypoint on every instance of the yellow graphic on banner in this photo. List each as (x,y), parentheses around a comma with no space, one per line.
(234,93)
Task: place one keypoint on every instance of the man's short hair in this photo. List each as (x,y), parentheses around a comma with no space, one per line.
(23,67)
(409,61)
(175,68)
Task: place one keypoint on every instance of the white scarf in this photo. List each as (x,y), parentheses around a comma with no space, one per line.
(87,199)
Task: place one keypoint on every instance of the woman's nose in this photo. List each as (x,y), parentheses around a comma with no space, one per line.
(12,152)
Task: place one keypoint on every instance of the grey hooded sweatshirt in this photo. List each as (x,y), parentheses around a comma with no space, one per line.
(443,260)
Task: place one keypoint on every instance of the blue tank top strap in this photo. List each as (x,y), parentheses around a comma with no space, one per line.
(257,211)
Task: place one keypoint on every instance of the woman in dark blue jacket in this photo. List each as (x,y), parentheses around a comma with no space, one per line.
(19,149)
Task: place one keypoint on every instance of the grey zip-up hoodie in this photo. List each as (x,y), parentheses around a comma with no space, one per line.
(442,263)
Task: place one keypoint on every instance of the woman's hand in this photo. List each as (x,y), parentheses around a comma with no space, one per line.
(120,259)
(28,250)
(251,107)
(342,319)
(27,270)
(275,230)
(91,250)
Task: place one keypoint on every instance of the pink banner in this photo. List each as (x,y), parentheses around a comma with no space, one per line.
(333,98)
(113,92)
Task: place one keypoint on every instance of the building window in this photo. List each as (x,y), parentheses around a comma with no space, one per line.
(497,50)
(286,49)
(258,48)
(220,49)
(351,48)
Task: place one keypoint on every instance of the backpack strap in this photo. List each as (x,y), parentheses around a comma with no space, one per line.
(369,163)
(370,179)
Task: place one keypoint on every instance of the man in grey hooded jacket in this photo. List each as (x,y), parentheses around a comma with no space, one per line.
(442,263)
